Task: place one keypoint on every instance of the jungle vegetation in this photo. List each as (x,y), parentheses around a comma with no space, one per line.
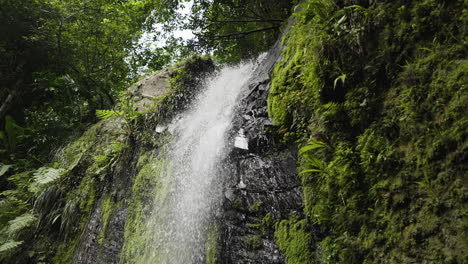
(373,93)
(65,65)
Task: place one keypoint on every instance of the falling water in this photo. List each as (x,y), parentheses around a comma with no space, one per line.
(178,228)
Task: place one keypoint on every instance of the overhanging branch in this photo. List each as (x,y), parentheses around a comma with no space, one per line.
(237,35)
(245,21)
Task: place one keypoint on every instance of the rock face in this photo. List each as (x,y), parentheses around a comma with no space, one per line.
(262,183)
(99,244)
(150,88)
(262,186)
(102,239)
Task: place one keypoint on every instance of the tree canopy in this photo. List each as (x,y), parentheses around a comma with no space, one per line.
(61,60)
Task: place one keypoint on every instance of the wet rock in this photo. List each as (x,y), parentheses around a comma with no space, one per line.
(90,249)
(262,182)
(240,141)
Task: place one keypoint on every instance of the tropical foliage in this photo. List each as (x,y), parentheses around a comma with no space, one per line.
(378,90)
(372,92)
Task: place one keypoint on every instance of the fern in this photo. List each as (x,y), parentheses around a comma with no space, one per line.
(314,164)
(19,223)
(106,114)
(43,177)
(46,175)
(21,180)
(10,207)
(9,245)
(47,200)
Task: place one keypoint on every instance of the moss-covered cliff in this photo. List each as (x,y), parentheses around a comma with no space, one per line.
(378,89)
(373,93)
(82,207)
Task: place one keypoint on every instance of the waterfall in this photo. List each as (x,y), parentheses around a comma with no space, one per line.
(178,224)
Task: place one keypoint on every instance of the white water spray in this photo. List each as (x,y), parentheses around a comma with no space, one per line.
(178,226)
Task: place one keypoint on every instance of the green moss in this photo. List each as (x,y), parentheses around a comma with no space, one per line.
(152,183)
(185,82)
(389,188)
(107,209)
(150,188)
(87,160)
(253,242)
(295,241)
(256,207)
(265,225)
(211,244)
(65,251)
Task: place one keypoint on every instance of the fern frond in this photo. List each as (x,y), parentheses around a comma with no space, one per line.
(9,245)
(309,171)
(10,193)
(105,114)
(21,180)
(46,175)
(19,223)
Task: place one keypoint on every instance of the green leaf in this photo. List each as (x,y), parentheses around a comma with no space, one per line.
(13,132)
(309,171)
(4,168)
(106,114)
(314,162)
(312,145)
(46,175)
(341,78)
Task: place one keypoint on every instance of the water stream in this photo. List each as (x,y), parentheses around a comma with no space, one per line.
(178,226)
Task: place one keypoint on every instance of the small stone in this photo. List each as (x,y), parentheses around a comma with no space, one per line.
(241,141)
(241,185)
(160,129)
(229,194)
(247,117)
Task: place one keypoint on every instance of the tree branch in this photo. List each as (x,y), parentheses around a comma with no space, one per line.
(244,21)
(237,35)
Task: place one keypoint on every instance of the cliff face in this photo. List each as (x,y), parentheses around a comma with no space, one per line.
(375,92)
(93,198)
(114,227)
(262,185)
(367,102)
(102,236)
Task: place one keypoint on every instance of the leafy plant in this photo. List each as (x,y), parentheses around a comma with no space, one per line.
(9,246)
(10,234)
(19,223)
(106,114)
(43,177)
(4,168)
(312,163)
(341,78)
